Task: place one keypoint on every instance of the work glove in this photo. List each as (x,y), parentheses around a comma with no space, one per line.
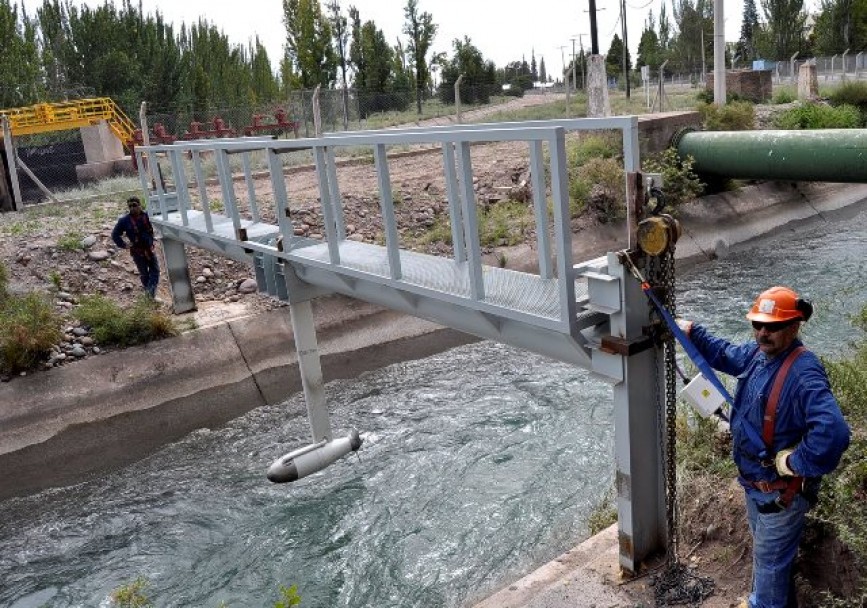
(781,461)
(684,325)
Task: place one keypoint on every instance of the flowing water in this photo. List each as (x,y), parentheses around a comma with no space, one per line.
(479,464)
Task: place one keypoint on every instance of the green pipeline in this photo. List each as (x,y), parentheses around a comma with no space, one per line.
(822,155)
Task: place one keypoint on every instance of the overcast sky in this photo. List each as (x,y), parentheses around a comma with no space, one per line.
(502,31)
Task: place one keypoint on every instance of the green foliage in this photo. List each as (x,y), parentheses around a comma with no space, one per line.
(288,597)
(70,241)
(19,57)
(603,515)
(308,43)
(4,281)
(55,279)
(819,116)
(594,176)
(479,76)
(785,95)
(679,182)
(421,31)
(852,93)
(702,447)
(132,595)
(29,327)
(504,224)
(111,324)
(735,116)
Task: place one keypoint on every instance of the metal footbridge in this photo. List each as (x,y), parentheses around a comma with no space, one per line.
(73,114)
(586,312)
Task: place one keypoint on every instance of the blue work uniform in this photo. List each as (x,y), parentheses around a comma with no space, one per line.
(808,420)
(140,233)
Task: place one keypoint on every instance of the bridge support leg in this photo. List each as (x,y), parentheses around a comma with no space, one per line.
(179,276)
(307,349)
(638,435)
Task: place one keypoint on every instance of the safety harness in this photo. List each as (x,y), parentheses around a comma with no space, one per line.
(790,486)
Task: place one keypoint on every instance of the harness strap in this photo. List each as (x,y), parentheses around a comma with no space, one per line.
(795,484)
(773,400)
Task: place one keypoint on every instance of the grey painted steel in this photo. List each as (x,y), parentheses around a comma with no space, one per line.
(454,198)
(10,161)
(334,193)
(540,209)
(281,199)
(389,221)
(179,276)
(251,187)
(307,351)
(203,190)
(183,194)
(637,432)
(327,207)
(471,221)
(561,312)
(142,173)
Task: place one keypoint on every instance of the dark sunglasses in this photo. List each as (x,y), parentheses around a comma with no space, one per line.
(771,328)
(131,205)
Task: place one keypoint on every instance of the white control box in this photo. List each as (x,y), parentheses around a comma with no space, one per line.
(703,396)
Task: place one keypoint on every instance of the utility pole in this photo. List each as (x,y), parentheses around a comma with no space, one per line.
(583,63)
(594,37)
(565,78)
(574,77)
(703,68)
(625,46)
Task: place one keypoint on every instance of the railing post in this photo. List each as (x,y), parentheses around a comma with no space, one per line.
(389,222)
(10,160)
(458,98)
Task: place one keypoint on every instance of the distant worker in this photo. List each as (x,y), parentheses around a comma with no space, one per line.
(787,432)
(136,226)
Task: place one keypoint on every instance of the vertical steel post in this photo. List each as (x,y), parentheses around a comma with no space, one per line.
(389,221)
(203,191)
(181,191)
(251,186)
(638,432)
(454,202)
(471,222)
(310,367)
(11,157)
(540,209)
(178,272)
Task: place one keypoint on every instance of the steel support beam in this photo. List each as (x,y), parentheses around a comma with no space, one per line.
(637,433)
(178,272)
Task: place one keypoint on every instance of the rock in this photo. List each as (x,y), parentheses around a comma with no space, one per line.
(79,331)
(200,279)
(86,341)
(64,296)
(88,242)
(78,351)
(96,350)
(207,272)
(98,256)
(248,286)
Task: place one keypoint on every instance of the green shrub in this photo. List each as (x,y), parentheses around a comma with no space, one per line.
(735,116)
(111,324)
(132,595)
(679,182)
(602,183)
(819,116)
(785,95)
(70,241)
(29,327)
(4,281)
(504,224)
(853,93)
(589,149)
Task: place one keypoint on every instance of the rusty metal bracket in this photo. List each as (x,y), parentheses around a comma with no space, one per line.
(616,345)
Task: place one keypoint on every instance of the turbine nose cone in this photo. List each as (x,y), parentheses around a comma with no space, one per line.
(281,472)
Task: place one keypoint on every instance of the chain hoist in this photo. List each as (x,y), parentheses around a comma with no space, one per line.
(657,235)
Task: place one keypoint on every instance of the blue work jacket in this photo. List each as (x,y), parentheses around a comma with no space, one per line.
(139,231)
(808,417)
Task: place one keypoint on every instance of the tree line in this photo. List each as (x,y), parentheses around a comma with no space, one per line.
(119,51)
(782,29)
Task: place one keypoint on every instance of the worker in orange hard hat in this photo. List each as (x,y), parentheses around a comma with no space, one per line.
(787,432)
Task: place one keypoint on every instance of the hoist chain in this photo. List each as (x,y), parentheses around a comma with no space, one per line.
(676,584)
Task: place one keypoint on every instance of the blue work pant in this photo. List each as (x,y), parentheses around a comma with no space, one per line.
(776,537)
(149,272)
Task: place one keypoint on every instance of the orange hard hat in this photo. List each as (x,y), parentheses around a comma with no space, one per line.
(776,304)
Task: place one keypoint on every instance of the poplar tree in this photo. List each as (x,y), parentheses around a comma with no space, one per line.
(20,65)
(746,46)
(308,43)
(785,24)
(421,31)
